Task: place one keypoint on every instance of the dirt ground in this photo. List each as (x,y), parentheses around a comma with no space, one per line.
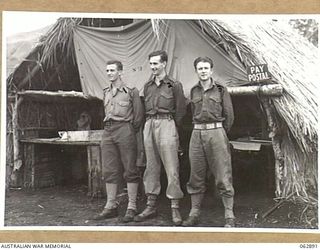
(70,206)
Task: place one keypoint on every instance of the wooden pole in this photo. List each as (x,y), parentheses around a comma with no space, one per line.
(17,162)
(264,90)
(271,210)
(275,138)
(42,93)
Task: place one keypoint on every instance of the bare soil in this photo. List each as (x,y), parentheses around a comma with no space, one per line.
(70,206)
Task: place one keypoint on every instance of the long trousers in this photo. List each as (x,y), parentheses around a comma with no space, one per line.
(210,149)
(161,145)
(119,153)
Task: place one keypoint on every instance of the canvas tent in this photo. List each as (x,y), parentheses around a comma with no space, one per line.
(72,55)
(183,40)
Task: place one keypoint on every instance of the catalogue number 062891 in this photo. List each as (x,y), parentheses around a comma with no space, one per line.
(308,246)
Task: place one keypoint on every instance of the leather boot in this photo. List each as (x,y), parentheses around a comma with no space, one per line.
(194,215)
(110,210)
(107,214)
(228,211)
(132,202)
(176,217)
(192,220)
(150,211)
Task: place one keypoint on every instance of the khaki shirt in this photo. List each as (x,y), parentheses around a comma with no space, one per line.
(123,104)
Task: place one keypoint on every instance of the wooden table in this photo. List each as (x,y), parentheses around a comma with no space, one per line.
(38,169)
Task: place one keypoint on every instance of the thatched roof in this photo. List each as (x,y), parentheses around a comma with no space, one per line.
(292,61)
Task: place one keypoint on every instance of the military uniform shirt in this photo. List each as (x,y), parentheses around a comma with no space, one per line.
(212,105)
(167,98)
(123,104)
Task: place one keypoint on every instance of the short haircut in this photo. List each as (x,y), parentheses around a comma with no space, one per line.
(202,59)
(163,55)
(116,62)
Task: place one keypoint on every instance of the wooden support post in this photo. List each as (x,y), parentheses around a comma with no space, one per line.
(275,137)
(96,185)
(89,171)
(17,162)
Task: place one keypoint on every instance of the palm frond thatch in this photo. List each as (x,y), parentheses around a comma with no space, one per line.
(59,39)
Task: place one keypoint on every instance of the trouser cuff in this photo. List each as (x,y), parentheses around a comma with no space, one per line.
(174,203)
(228,214)
(151,200)
(194,212)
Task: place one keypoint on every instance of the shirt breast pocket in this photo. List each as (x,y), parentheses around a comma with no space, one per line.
(121,108)
(197,105)
(166,101)
(215,104)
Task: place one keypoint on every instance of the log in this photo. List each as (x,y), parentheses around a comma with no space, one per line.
(40,93)
(264,90)
(17,162)
(271,210)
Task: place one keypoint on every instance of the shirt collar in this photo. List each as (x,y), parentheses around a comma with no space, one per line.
(212,85)
(166,79)
(115,90)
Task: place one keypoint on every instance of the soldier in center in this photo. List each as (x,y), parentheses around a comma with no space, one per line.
(165,106)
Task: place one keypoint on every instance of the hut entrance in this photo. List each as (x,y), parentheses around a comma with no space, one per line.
(252,153)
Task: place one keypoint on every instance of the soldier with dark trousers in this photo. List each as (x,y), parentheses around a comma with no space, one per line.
(165,107)
(209,149)
(123,117)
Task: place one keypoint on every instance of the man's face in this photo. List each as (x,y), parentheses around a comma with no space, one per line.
(113,73)
(204,71)
(156,65)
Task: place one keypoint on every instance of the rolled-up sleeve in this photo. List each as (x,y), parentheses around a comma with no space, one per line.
(138,110)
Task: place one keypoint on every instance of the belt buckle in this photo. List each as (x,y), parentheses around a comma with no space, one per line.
(213,125)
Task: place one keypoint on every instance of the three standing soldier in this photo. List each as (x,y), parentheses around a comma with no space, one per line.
(165,106)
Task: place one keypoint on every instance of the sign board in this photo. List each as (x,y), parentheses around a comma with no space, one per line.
(258,73)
